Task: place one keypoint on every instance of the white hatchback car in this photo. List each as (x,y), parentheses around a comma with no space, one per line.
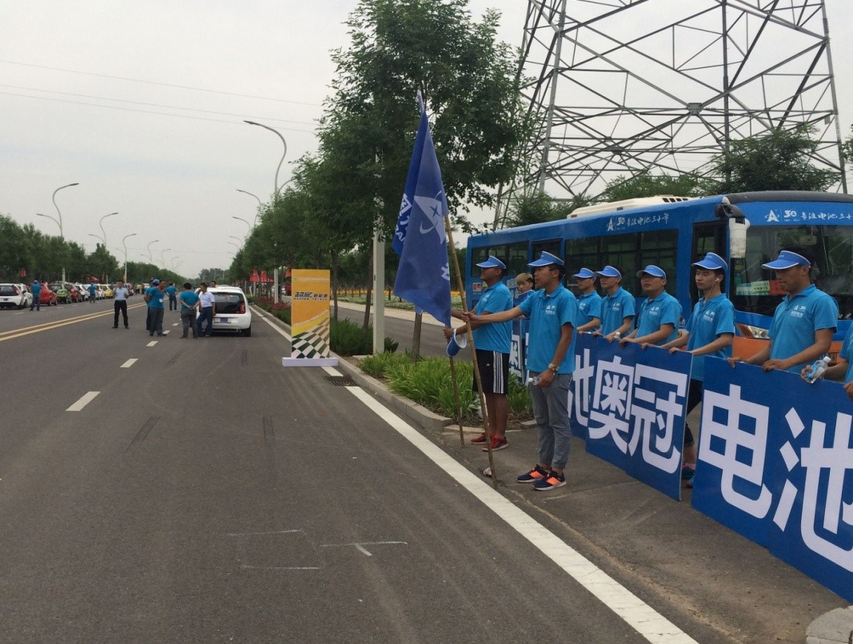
(15,296)
(232,310)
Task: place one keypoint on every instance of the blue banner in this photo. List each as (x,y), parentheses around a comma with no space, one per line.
(423,276)
(636,412)
(777,469)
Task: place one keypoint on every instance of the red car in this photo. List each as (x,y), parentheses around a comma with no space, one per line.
(47,297)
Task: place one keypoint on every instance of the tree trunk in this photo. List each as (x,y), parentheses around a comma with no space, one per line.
(416,338)
(334,262)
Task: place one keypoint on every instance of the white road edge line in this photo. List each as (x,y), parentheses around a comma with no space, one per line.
(636,613)
(128,364)
(85,400)
(277,329)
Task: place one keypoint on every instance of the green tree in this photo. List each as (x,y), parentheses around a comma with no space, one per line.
(778,160)
(645,184)
(14,250)
(538,207)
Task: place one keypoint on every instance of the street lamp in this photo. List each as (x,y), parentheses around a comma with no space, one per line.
(59,214)
(101,224)
(260,205)
(150,260)
(99,238)
(163,256)
(248,225)
(285,145)
(126,253)
(237,238)
(235,245)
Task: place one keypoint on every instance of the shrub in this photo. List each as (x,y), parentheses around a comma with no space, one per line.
(518,398)
(346,338)
(378,364)
(428,382)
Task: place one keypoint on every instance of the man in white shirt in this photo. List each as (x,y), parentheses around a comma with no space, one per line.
(207,309)
(120,303)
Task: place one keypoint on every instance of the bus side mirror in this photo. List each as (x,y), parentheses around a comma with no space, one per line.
(738,226)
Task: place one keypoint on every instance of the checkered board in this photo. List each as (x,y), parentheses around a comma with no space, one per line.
(313,343)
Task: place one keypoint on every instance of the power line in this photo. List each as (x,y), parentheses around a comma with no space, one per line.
(168,107)
(147,82)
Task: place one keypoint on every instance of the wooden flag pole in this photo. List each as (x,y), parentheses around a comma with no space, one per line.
(482,398)
(457,409)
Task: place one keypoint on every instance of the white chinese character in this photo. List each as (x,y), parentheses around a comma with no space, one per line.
(581,378)
(653,417)
(722,442)
(609,411)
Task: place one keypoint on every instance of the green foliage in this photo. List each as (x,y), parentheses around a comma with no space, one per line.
(778,160)
(377,365)
(428,382)
(645,184)
(348,339)
(518,398)
(538,207)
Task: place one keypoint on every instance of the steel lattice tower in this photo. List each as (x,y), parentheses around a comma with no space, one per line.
(622,86)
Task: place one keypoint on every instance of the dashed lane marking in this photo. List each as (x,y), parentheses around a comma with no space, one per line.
(152,343)
(128,364)
(84,400)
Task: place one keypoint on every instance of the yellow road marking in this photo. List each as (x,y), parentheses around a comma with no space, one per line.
(48,326)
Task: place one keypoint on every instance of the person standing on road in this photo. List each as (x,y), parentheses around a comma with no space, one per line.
(589,302)
(172,292)
(36,290)
(189,305)
(120,303)
(659,315)
(146,295)
(804,322)
(618,305)
(550,361)
(206,311)
(92,290)
(155,306)
(492,348)
(709,332)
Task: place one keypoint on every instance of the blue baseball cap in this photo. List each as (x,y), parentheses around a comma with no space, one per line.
(712,262)
(610,271)
(787,259)
(155,282)
(655,271)
(585,274)
(493,262)
(546,259)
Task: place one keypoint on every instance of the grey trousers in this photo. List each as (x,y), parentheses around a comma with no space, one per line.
(551,411)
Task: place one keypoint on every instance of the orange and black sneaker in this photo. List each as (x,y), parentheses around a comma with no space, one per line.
(498,442)
(552,481)
(536,474)
(479,440)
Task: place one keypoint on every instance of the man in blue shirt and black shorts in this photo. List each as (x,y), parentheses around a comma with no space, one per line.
(492,345)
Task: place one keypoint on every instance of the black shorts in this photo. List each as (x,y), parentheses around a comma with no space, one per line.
(494,370)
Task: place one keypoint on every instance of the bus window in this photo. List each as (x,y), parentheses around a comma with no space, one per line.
(517,258)
(621,252)
(659,247)
(755,289)
(552,246)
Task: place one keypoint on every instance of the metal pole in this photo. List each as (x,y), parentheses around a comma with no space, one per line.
(101,224)
(59,214)
(124,245)
(260,204)
(163,256)
(284,153)
(150,260)
(248,225)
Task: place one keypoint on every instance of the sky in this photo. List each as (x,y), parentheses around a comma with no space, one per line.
(143,103)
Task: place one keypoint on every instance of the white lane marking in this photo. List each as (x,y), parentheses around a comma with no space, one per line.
(277,329)
(636,613)
(152,343)
(332,371)
(128,364)
(166,332)
(176,324)
(85,400)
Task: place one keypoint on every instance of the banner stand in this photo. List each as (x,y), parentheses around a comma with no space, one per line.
(309,362)
(310,320)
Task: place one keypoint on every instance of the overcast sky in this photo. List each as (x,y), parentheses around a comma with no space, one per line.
(142,103)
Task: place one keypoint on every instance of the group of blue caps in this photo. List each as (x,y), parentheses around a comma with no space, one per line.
(712,261)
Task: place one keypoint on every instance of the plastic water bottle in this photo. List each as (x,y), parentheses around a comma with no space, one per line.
(818,367)
(534,380)
(617,336)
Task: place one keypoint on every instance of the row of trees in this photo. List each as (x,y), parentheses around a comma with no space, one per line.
(44,257)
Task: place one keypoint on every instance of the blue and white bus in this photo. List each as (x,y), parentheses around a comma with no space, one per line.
(748,229)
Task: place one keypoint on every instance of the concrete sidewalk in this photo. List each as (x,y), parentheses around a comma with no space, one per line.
(714,583)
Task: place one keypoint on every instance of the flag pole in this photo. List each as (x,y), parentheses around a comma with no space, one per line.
(470,336)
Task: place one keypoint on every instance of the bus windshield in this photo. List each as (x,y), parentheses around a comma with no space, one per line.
(755,289)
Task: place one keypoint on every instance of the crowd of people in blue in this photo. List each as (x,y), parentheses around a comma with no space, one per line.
(190,302)
(801,333)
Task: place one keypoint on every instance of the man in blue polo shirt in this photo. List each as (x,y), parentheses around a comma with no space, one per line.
(618,305)
(156,297)
(589,302)
(659,315)
(550,361)
(492,347)
(36,290)
(804,322)
(709,332)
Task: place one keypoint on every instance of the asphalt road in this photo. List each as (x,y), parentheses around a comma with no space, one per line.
(207,494)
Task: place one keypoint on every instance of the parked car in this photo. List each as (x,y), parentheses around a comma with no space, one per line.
(47,297)
(14,296)
(74,293)
(27,293)
(232,310)
(62,294)
(107,291)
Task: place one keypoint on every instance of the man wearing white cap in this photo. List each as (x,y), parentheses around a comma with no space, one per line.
(804,322)
(710,331)
(618,305)
(492,344)
(589,302)
(550,361)
(660,312)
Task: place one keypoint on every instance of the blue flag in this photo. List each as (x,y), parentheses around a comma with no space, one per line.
(423,276)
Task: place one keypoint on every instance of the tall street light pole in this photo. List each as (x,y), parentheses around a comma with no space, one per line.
(101,224)
(125,246)
(284,153)
(163,256)
(150,260)
(260,204)
(59,214)
(248,225)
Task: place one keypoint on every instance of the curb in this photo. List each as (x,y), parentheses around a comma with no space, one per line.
(833,627)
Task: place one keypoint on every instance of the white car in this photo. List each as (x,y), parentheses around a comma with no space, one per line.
(232,310)
(15,296)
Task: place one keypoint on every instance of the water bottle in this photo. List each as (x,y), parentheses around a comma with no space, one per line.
(818,367)
(534,380)
(617,336)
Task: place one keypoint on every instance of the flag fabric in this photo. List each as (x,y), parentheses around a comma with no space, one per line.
(423,276)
